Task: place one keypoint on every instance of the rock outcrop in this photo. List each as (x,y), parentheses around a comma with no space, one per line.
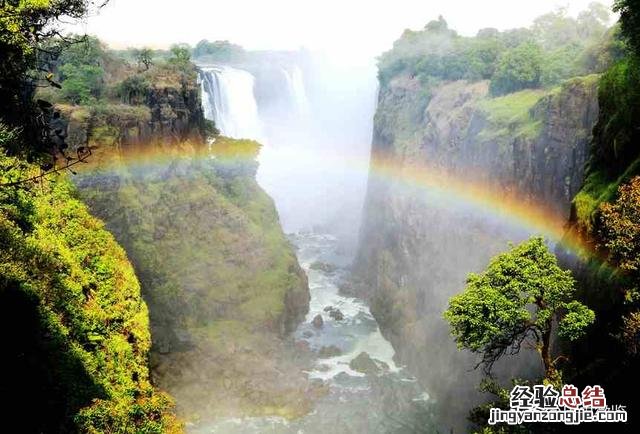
(417,249)
(169,111)
(223,284)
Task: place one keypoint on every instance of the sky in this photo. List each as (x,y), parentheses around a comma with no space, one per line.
(361,28)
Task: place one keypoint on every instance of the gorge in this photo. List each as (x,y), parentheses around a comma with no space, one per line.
(214,239)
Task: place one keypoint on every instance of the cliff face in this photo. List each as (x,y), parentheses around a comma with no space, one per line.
(222,283)
(416,252)
(168,109)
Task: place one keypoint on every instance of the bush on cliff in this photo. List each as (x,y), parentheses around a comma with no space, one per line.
(77,359)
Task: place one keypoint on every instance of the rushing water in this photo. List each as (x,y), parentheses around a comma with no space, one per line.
(389,401)
(227,99)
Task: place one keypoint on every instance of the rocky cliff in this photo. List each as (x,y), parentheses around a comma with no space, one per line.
(222,283)
(164,105)
(416,252)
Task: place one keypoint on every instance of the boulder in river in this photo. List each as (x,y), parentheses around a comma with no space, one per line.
(334,313)
(327,352)
(323,266)
(337,315)
(317,322)
(365,364)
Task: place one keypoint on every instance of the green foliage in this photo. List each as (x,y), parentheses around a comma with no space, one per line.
(555,48)
(614,157)
(81,71)
(601,54)
(180,55)
(619,99)
(577,317)
(85,338)
(7,136)
(25,27)
(619,231)
(82,84)
(556,29)
(86,50)
(518,68)
(220,51)
(517,297)
(134,89)
(499,398)
(629,11)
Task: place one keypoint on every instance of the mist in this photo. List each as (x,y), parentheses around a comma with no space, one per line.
(314,119)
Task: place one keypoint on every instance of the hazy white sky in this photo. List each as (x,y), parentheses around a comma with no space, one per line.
(366,27)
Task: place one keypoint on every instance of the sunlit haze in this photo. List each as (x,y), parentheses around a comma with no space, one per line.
(341,27)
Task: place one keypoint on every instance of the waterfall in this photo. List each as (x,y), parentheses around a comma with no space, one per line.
(296,90)
(228,100)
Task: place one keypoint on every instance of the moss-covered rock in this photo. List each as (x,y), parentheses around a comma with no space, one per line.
(221,280)
(75,328)
(614,156)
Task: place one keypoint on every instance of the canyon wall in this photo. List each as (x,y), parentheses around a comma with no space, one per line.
(416,252)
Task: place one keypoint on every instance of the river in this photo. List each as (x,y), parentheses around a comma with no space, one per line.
(387,401)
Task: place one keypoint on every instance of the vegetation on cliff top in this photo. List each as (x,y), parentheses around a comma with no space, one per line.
(107,100)
(556,47)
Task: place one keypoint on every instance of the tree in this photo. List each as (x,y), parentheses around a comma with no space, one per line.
(619,233)
(516,300)
(518,68)
(25,28)
(180,55)
(82,83)
(86,50)
(223,51)
(143,57)
(629,11)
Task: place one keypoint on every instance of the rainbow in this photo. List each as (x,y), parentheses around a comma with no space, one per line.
(512,208)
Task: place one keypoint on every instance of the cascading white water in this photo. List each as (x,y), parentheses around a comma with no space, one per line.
(228,100)
(296,90)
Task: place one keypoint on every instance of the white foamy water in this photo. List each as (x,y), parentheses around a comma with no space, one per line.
(228,100)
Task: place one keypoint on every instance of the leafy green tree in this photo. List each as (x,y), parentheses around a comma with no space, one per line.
(518,68)
(517,299)
(85,50)
(594,21)
(180,55)
(629,11)
(143,57)
(25,28)
(82,84)
(560,64)
(555,28)
(223,51)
